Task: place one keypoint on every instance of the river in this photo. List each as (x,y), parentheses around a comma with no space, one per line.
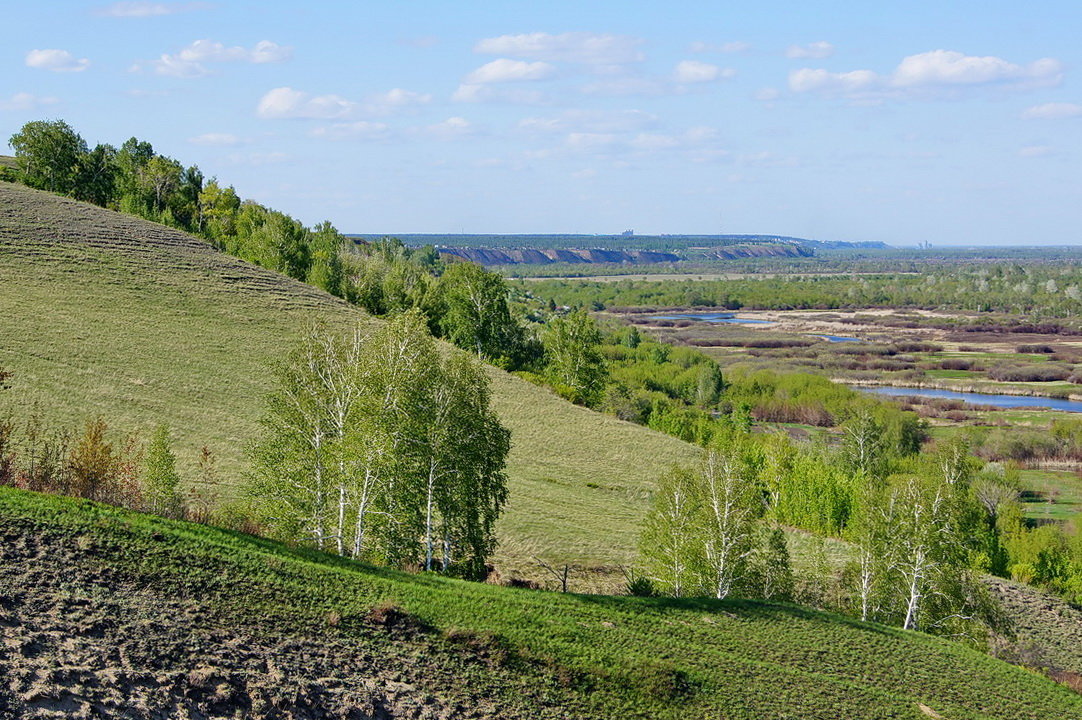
(1001,401)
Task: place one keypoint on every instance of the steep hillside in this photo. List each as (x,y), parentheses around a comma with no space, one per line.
(103,313)
(106,613)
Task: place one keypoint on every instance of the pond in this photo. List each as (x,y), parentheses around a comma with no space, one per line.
(839,338)
(1001,401)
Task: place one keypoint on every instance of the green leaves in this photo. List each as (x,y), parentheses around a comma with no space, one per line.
(383,449)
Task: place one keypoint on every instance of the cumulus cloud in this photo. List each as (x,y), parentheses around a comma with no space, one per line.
(395,99)
(506,70)
(931,73)
(215,139)
(361,130)
(56,61)
(285,102)
(1053,111)
(814,51)
(948,67)
(141,9)
(26,101)
(192,60)
(452,128)
(572,47)
(808,80)
(693,71)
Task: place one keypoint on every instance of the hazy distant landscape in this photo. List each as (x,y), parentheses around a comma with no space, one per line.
(748,385)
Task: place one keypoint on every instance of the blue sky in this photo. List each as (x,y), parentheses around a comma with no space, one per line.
(835,121)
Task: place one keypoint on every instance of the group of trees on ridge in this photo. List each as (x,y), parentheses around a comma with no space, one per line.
(380,448)
(923,528)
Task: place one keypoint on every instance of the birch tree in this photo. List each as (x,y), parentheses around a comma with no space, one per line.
(293,483)
(573,357)
(383,450)
(670,542)
(161,484)
(730,505)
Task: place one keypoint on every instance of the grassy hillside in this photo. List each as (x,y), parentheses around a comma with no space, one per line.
(103,313)
(104,605)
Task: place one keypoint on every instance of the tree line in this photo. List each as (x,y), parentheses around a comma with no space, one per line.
(1038,290)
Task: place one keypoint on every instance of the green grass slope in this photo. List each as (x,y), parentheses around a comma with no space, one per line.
(104,313)
(78,577)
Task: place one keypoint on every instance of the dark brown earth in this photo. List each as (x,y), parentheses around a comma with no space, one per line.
(81,642)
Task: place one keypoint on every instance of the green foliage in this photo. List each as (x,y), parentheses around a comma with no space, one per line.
(700,537)
(379,448)
(49,155)
(474,312)
(160,482)
(573,359)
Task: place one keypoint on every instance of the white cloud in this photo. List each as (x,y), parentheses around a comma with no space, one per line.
(285,102)
(728,48)
(26,101)
(808,80)
(505,70)
(141,9)
(929,74)
(361,130)
(395,99)
(948,67)
(452,128)
(573,47)
(1034,151)
(192,60)
(767,94)
(693,71)
(1053,111)
(815,50)
(56,60)
(474,93)
(215,139)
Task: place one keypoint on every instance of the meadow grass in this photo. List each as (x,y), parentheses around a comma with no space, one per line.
(105,314)
(617,657)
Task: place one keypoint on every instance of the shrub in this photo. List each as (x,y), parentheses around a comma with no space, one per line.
(1029,373)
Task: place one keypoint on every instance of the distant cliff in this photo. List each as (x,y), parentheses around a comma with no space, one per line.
(532,256)
(547,256)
